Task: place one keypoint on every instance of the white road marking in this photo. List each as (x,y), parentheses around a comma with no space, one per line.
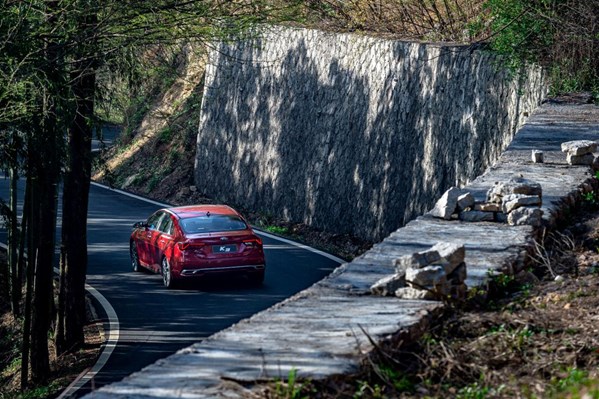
(116,190)
(111,342)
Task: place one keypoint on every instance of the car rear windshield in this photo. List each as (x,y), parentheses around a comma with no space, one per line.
(212,223)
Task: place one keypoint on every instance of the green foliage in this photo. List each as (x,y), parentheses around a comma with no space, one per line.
(153,182)
(590,198)
(280,230)
(559,35)
(41,392)
(164,136)
(518,33)
(572,382)
(400,382)
(474,391)
(291,389)
(370,391)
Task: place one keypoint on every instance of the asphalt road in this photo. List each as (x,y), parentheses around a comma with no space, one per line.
(156,322)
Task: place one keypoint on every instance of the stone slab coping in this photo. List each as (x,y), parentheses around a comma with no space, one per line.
(325,329)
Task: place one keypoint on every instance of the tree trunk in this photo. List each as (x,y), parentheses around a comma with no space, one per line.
(73,267)
(13,243)
(46,169)
(23,238)
(32,251)
(43,299)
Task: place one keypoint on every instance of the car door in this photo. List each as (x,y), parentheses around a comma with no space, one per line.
(165,238)
(147,252)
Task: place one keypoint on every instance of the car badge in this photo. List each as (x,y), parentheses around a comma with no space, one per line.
(223,238)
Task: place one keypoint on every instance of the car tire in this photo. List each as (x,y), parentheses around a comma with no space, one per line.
(167,275)
(134,258)
(256,278)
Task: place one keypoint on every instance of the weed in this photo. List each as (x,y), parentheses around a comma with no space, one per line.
(365,389)
(292,389)
(173,155)
(590,198)
(12,368)
(571,382)
(42,392)
(473,391)
(503,280)
(277,229)
(165,135)
(153,182)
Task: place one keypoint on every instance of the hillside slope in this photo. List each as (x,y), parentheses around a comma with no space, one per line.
(154,156)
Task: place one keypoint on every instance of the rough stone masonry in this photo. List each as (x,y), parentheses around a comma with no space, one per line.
(349,133)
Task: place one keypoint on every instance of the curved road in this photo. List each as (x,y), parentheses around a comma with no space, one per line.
(156,322)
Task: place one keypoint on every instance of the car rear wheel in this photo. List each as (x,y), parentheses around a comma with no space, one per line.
(134,258)
(257,278)
(167,275)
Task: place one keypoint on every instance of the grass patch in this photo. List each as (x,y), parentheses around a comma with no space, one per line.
(279,230)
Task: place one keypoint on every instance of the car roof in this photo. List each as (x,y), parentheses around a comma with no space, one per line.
(187,211)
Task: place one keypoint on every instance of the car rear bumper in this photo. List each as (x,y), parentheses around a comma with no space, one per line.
(224,269)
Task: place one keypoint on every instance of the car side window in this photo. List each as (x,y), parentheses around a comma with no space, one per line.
(154,220)
(166,225)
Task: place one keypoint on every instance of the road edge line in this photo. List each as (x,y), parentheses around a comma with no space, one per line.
(111,342)
(261,232)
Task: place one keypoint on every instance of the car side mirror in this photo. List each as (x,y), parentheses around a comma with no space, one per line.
(140,225)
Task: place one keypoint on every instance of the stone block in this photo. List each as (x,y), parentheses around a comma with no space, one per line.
(388,285)
(500,217)
(586,159)
(413,293)
(476,216)
(431,255)
(487,207)
(579,147)
(426,276)
(537,156)
(525,216)
(447,204)
(518,185)
(459,291)
(415,261)
(514,201)
(458,275)
(465,201)
(451,253)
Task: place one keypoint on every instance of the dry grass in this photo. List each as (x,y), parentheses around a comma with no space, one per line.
(431,20)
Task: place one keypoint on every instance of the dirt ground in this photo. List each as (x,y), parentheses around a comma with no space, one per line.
(64,369)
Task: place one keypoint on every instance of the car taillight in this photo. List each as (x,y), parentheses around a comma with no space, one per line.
(182,246)
(253,243)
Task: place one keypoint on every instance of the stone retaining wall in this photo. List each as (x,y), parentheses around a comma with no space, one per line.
(350,133)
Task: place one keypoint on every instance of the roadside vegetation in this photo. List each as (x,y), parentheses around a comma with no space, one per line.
(524,336)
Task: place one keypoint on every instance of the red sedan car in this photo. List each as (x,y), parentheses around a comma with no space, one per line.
(192,241)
